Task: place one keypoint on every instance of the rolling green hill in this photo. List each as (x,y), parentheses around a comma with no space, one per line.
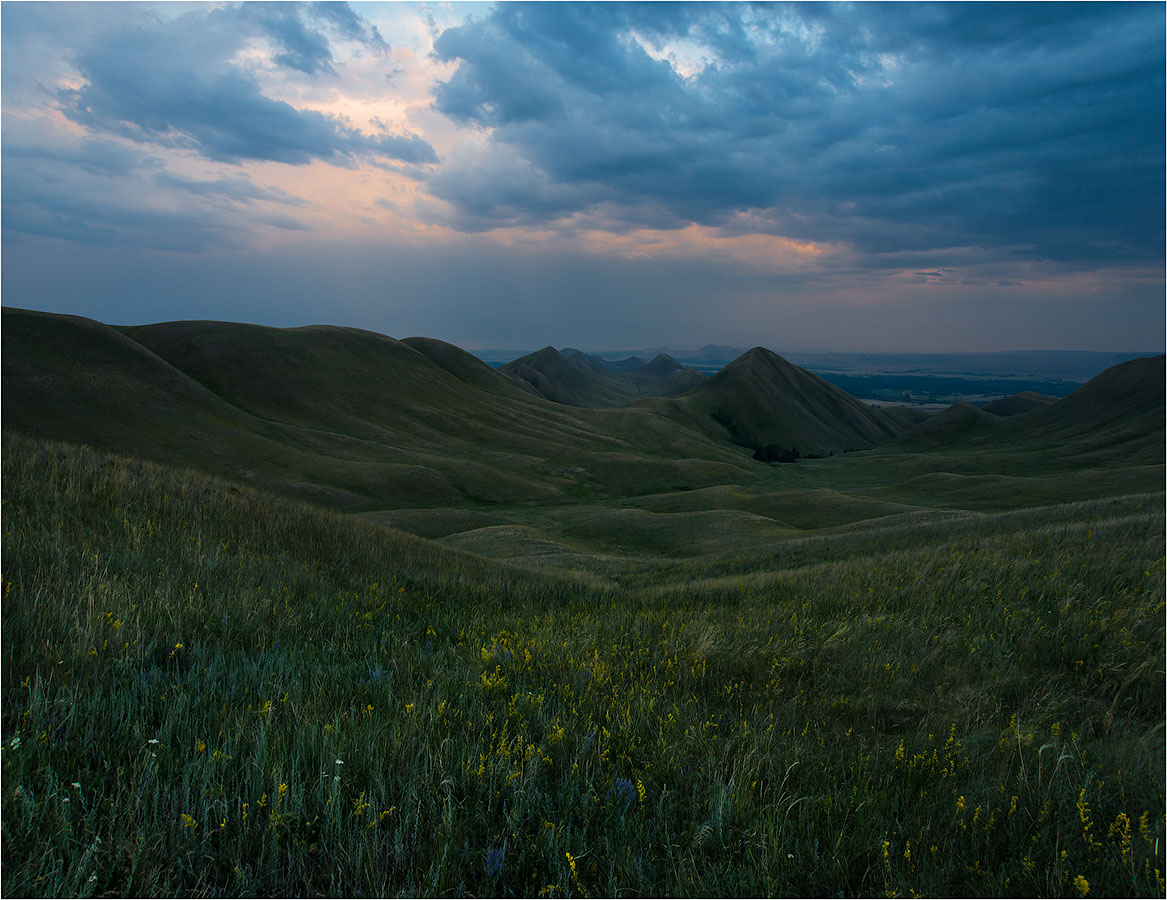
(1117,418)
(1016,404)
(574,378)
(74,379)
(339,416)
(1126,399)
(361,422)
(469,368)
(613,654)
(762,399)
(553,376)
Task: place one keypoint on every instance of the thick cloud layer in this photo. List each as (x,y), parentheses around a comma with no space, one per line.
(131,124)
(300,30)
(908,175)
(1031,129)
(176,84)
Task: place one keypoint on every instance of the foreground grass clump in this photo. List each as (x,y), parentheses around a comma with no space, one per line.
(208,691)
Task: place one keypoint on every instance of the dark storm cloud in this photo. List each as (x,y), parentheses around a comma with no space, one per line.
(224,116)
(344,22)
(1032,129)
(301,47)
(304,47)
(143,81)
(173,83)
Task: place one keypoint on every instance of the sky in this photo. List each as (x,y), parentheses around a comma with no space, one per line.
(857,177)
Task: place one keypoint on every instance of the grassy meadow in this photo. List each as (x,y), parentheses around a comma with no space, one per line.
(209,690)
(319,612)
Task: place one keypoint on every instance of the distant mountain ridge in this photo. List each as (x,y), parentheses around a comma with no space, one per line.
(358,420)
(1070,366)
(575,378)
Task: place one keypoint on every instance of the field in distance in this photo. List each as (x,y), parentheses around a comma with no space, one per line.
(927,380)
(320,611)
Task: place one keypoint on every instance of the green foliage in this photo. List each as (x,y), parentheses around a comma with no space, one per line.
(208,691)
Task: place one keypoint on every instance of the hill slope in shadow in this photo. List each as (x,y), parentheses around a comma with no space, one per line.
(1017,404)
(74,379)
(469,368)
(574,378)
(761,399)
(362,422)
(1119,414)
(346,417)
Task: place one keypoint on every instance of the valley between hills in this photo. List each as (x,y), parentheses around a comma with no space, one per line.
(319,611)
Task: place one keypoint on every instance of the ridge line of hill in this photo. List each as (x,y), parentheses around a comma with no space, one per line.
(358,420)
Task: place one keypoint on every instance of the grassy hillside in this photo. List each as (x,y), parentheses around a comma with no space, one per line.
(350,419)
(1114,420)
(211,691)
(360,421)
(76,379)
(1016,404)
(554,377)
(574,378)
(469,368)
(615,656)
(762,399)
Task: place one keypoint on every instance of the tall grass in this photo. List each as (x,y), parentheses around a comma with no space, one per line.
(208,691)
